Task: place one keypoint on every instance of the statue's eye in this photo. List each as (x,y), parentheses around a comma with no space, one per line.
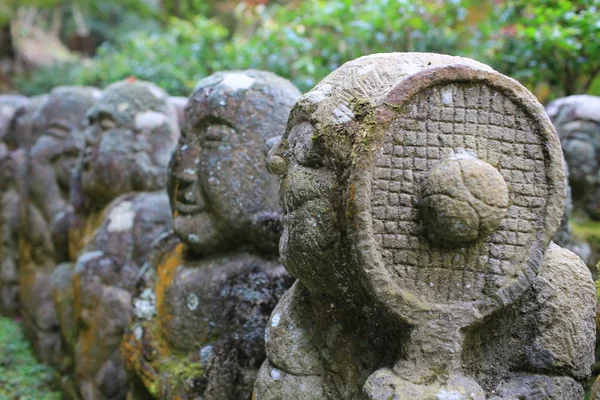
(58,130)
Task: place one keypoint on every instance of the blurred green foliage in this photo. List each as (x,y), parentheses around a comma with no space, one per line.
(21,376)
(549,45)
(552,41)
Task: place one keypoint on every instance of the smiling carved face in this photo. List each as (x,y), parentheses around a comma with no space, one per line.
(60,129)
(220,191)
(131,132)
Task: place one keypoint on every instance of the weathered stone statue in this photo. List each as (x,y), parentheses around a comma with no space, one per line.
(44,190)
(178,104)
(24,130)
(10,105)
(132,131)
(564,236)
(198,331)
(577,121)
(420,193)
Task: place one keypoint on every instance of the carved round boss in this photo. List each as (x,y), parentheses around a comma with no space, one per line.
(463,198)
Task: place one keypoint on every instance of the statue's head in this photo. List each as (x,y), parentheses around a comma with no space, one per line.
(9,107)
(59,128)
(24,129)
(418,180)
(577,121)
(221,193)
(131,132)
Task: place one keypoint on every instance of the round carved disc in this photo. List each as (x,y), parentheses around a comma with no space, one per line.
(465,192)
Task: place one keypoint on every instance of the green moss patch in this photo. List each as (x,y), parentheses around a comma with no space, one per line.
(21,376)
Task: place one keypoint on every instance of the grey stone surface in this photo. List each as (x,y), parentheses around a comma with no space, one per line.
(200,318)
(24,130)
(420,193)
(121,208)
(103,280)
(10,106)
(577,121)
(130,132)
(53,125)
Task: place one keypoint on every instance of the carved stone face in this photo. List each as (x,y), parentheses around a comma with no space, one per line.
(221,194)
(61,122)
(308,198)
(131,131)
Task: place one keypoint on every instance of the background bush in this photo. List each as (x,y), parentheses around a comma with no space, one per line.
(548,45)
(21,376)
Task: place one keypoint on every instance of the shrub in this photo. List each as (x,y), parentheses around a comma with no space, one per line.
(21,377)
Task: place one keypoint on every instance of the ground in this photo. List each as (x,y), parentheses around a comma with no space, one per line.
(21,376)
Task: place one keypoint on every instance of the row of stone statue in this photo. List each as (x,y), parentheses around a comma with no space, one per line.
(418,196)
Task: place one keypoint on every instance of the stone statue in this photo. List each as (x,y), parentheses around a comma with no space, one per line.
(564,236)
(420,193)
(178,104)
(10,105)
(131,134)
(577,121)
(24,130)
(44,200)
(198,330)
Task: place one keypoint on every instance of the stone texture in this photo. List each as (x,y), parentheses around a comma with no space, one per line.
(199,323)
(10,106)
(577,121)
(120,211)
(178,104)
(24,129)
(103,279)
(44,184)
(401,295)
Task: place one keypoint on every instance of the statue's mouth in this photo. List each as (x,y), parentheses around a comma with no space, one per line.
(187,209)
(186,199)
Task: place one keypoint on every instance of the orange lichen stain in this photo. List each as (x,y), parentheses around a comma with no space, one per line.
(352,192)
(82,231)
(135,361)
(130,79)
(165,272)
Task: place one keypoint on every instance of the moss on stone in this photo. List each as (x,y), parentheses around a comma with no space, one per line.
(181,371)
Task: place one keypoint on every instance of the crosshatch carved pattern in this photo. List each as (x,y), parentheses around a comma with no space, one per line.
(440,122)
